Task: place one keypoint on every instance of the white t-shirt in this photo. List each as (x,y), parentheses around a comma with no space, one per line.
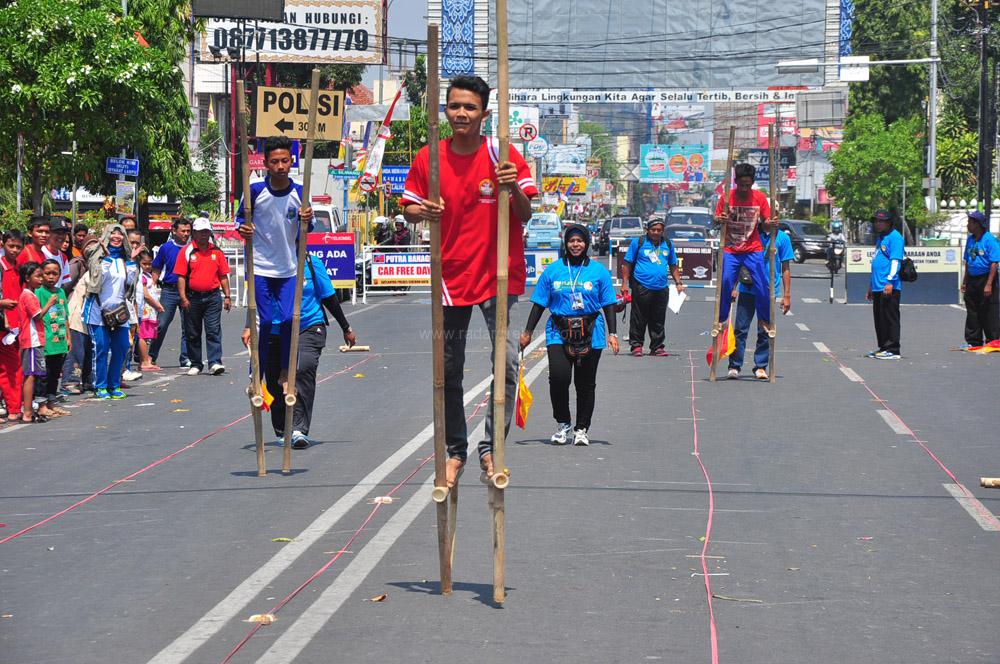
(276,227)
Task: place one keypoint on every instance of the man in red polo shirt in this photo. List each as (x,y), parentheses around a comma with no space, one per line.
(38,236)
(471,177)
(202,269)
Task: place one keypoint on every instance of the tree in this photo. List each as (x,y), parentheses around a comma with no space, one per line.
(77,70)
(869,168)
(956,159)
(416,81)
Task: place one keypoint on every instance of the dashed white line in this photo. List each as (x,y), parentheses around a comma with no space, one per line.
(957,306)
(852,375)
(810,300)
(802,326)
(893,421)
(821,347)
(975,508)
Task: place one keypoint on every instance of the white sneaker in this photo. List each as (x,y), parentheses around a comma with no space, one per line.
(132,375)
(193,371)
(217,369)
(734,374)
(559,437)
(580,437)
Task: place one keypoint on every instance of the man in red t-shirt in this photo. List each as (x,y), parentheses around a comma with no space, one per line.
(748,209)
(471,175)
(38,236)
(202,269)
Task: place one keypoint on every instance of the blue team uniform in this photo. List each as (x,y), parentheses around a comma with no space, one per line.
(746,305)
(888,248)
(561,285)
(652,262)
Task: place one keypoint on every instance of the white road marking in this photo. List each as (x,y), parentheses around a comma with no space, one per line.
(802,326)
(852,375)
(160,381)
(208,625)
(975,508)
(368,308)
(957,306)
(820,346)
(894,422)
(14,427)
(295,639)
(840,300)
(695,483)
(810,300)
(245,351)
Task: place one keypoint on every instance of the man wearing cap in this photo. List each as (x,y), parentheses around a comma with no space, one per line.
(647,263)
(885,288)
(979,284)
(59,229)
(202,269)
(163,271)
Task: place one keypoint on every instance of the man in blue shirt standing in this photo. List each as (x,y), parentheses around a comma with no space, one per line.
(163,271)
(746,305)
(885,288)
(647,263)
(982,295)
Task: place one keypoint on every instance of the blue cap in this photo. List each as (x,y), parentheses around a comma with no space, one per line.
(980,217)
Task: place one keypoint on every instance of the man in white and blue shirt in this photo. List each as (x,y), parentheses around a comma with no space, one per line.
(276,205)
(979,284)
(648,262)
(746,306)
(886,287)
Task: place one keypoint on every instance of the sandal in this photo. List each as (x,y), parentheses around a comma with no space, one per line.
(37,419)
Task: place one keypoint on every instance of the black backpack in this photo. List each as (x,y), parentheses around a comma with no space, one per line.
(907,270)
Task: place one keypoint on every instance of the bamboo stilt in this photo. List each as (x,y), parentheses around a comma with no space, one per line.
(773,192)
(721,254)
(293,352)
(255,393)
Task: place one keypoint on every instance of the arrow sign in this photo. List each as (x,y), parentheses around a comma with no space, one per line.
(283,125)
(285,112)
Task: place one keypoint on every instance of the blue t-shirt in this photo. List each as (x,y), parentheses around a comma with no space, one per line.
(888,248)
(979,255)
(555,291)
(782,252)
(165,259)
(652,266)
(316,287)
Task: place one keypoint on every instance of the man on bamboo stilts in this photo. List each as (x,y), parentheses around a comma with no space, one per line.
(742,246)
(277,207)
(471,176)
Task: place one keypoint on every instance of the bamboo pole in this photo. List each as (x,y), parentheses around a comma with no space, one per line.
(772,170)
(441,492)
(500,475)
(721,254)
(293,352)
(256,398)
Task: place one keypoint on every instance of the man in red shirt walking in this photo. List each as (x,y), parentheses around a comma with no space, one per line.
(471,175)
(748,209)
(202,269)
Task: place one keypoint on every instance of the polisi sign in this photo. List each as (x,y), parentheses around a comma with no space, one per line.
(285,112)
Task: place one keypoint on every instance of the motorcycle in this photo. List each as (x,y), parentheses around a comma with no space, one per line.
(835,255)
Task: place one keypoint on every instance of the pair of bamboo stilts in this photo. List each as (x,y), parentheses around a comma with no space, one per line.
(773,153)
(255,392)
(445,497)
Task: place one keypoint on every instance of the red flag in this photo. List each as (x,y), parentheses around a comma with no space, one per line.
(724,344)
(139,38)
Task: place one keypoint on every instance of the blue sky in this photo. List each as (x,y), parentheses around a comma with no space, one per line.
(406,19)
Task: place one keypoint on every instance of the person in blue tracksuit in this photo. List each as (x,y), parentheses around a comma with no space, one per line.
(885,289)
(276,207)
(581,298)
(746,303)
(979,283)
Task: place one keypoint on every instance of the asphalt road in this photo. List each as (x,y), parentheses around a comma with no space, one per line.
(836,513)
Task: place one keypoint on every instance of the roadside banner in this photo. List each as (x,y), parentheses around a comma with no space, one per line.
(336,251)
(536,262)
(694,260)
(939,270)
(124,197)
(673,163)
(401,269)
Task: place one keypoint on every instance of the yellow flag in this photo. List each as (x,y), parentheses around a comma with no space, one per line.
(523,402)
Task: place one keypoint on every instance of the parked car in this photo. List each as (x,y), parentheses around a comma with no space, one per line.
(543,231)
(692,216)
(617,229)
(808,238)
(327,219)
(685,232)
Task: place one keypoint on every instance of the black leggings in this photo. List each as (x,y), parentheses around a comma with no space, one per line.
(53,372)
(562,370)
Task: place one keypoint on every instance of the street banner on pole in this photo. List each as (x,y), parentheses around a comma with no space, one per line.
(124,197)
